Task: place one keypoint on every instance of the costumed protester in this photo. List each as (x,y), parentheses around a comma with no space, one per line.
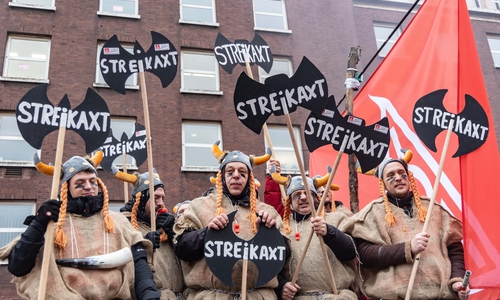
(234,191)
(179,208)
(97,253)
(329,198)
(272,193)
(168,272)
(388,233)
(298,223)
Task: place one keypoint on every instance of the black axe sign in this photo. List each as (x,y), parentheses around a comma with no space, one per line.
(117,64)
(37,117)
(231,54)
(369,143)
(430,117)
(254,102)
(134,146)
(266,250)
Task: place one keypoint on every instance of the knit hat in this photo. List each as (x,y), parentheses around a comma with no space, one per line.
(73,166)
(250,161)
(379,171)
(296,183)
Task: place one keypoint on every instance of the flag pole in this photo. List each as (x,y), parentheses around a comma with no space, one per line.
(354,56)
(429,209)
(49,233)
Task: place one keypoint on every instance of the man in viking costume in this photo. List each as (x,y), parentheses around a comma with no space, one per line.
(235,191)
(168,272)
(388,232)
(298,224)
(97,254)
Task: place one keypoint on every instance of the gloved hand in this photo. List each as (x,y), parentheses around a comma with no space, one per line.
(166,222)
(48,211)
(154,237)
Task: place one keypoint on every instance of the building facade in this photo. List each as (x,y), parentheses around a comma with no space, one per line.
(58,43)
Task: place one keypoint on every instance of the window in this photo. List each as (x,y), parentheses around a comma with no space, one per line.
(200,72)
(283,147)
(270,15)
(14,150)
(382,32)
(119,127)
(119,7)
(12,216)
(41,4)
(197,141)
(494,43)
(27,59)
(496,4)
(198,11)
(279,66)
(131,82)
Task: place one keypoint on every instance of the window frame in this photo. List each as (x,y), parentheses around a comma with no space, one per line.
(496,64)
(16,163)
(263,74)
(7,59)
(100,12)
(216,73)
(397,35)
(214,168)
(284,16)
(19,230)
(96,83)
(33,6)
(298,139)
(214,14)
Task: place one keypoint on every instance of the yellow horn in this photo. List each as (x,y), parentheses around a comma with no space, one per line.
(124,176)
(321,181)
(213,180)
(334,187)
(216,151)
(41,167)
(277,177)
(258,160)
(408,155)
(97,158)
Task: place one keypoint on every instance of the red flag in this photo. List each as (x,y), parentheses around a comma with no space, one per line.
(436,51)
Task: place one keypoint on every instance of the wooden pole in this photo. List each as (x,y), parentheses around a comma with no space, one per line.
(152,203)
(308,193)
(125,184)
(49,233)
(429,209)
(321,204)
(354,56)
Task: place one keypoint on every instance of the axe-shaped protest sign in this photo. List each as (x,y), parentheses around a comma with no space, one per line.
(223,248)
(117,65)
(134,146)
(429,119)
(369,143)
(279,95)
(37,117)
(243,52)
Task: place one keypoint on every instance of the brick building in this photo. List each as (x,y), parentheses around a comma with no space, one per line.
(57,42)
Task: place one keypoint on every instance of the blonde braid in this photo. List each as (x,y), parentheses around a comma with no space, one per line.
(332,199)
(422,210)
(286,216)
(389,215)
(253,204)
(133,215)
(220,210)
(108,221)
(60,237)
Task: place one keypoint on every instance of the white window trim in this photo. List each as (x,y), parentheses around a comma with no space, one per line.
(296,132)
(390,26)
(495,64)
(214,15)
(185,168)
(14,4)
(16,163)
(98,70)
(119,15)
(21,79)
(15,229)
(287,60)
(218,91)
(284,17)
